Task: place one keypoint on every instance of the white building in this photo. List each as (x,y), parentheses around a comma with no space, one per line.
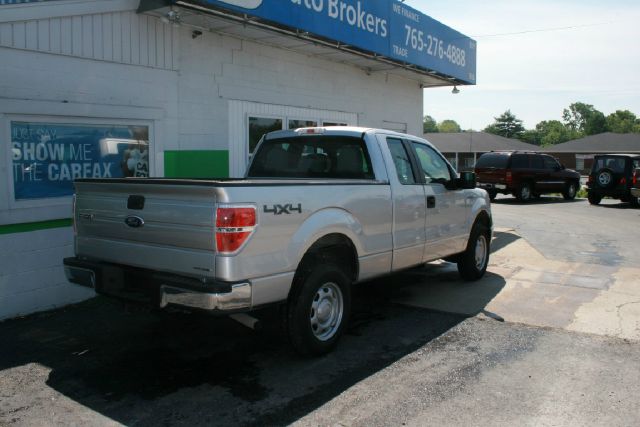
(184,88)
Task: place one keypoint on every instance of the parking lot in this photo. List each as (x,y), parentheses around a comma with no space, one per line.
(551,336)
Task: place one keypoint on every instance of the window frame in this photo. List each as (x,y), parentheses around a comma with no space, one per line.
(452,173)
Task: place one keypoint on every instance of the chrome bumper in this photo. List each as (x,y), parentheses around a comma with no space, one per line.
(488,186)
(239,298)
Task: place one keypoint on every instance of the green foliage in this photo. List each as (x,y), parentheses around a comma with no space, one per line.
(507,125)
(584,118)
(429,125)
(623,121)
(553,132)
(531,136)
(449,126)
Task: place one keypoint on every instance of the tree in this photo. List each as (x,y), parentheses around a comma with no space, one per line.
(507,125)
(531,136)
(449,126)
(622,122)
(584,118)
(429,125)
(552,132)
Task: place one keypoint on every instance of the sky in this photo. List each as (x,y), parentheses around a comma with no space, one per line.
(529,65)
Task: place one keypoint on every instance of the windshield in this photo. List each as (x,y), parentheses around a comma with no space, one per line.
(319,156)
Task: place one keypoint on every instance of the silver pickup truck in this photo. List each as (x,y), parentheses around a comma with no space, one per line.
(319,210)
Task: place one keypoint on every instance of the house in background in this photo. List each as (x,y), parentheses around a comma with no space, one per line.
(578,154)
(462,149)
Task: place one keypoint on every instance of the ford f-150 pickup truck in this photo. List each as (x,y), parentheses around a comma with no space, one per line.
(319,210)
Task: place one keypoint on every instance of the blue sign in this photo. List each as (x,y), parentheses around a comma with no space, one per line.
(385,27)
(47,157)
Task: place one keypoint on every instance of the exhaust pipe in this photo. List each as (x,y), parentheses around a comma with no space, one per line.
(248,321)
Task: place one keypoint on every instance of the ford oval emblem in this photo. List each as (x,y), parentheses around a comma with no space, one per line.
(134,221)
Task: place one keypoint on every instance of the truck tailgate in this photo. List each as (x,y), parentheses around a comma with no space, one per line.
(149,225)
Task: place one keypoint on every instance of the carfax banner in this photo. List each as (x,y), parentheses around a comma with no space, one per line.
(47,157)
(385,27)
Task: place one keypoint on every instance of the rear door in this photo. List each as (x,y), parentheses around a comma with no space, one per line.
(552,179)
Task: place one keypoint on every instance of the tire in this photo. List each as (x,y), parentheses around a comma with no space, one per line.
(524,193)
(605,178)
(594,199)
(634,201)
(473,262)
(318,309)
(570,191)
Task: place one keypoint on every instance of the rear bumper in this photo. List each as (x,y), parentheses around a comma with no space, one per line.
(158,290)
(490,186)
(635,192)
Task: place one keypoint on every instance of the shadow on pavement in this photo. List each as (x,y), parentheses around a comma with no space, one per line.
(137,368)
(502,239)
(543,200)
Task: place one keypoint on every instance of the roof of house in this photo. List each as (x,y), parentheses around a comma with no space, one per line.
(602,143)
(476,142)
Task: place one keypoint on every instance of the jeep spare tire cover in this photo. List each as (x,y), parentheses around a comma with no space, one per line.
(604,178)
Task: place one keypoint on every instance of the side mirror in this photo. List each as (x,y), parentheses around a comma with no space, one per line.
(467,180)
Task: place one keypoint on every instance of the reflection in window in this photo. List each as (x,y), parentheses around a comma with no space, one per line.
(401,161)
(47,157)
(433,165)
(258,126)
(334,124)
(295,124)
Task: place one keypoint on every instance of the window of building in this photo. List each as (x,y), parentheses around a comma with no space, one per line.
(295,124)
(258,126)
(47,157)
(328,123)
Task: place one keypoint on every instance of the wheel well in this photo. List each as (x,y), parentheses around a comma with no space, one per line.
(484,219)
(334,248)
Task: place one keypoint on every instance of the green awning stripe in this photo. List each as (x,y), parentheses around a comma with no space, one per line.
(35,226)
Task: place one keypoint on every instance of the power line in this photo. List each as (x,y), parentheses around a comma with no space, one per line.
(544,30)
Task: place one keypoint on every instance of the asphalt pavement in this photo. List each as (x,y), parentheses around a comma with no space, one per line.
(549,337)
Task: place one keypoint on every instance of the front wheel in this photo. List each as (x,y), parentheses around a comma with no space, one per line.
(318,309)
(473,262)
(570,191)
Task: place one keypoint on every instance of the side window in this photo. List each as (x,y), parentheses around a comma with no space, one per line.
(550,163)
(536,162)
(258,126)
(401,161)
(519,161)
(433,165)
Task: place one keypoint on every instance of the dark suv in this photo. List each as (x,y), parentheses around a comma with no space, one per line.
(612,175)
(525,175)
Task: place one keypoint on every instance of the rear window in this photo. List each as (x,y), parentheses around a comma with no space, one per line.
(318,156)
(493,160)
(616,164)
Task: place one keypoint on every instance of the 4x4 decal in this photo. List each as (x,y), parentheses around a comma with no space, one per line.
(287,209)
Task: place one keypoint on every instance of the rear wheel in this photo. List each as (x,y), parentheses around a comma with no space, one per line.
(635,201)
(570,191)
(605,178)
(472,263)
(594,199)
(318,309)
(524,192)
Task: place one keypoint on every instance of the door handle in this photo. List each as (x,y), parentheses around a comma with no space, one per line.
(431,202)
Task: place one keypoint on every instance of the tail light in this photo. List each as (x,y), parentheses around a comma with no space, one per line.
(623,181)
(635,178)
(234,225)
(509,177)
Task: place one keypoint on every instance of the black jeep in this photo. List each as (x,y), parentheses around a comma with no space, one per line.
(612,176)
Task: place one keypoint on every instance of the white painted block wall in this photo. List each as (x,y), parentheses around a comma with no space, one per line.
(123,66)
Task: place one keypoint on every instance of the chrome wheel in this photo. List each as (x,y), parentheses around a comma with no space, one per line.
(571,191)
(604,179)
(481,252)
(525,192)
(327,309)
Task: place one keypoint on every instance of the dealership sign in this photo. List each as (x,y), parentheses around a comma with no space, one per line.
(384,27)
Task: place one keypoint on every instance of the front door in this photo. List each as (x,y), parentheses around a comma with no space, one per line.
(446,210)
